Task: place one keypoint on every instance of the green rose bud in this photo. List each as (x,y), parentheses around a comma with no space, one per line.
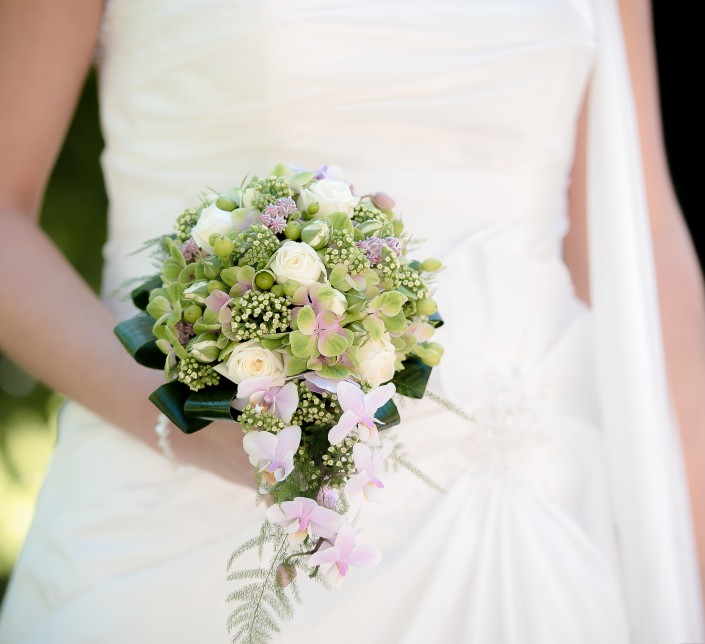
(225,203)
(316,234)
(426,306)
(214,285)
(264,280)
(223,246)
(431,265)
(192,313)
(293,230)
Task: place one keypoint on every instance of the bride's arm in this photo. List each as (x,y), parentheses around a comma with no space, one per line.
(50,321)
(680,282)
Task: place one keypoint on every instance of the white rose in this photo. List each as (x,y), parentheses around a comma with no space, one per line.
(212,220)
(297,261)
(340,303)
(250,360)
(332,196)
(377,358)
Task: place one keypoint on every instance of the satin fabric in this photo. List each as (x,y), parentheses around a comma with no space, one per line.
(558,504)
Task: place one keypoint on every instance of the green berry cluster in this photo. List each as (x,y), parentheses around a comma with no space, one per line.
(316,409)
(259,313)
(185,223)
(253,420)
(388,269)
(255,246)
(269,189)
(342,250)
(411,278)
(195,374)
(339,459)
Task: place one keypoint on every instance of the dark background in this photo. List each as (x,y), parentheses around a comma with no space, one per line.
(75,201)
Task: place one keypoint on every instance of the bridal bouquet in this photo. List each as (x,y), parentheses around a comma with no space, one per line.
(290,305)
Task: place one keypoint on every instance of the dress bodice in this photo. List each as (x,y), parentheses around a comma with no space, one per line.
(463,111)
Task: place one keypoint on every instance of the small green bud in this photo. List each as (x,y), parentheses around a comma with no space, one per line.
(316,234)
(415,264)
(293,230)
(192,313)
(264,280)
(290,287)
(426,306)
(214,285)
(398,227)
(431,265)
(277,290)
(223,246)
(225,203)
(313,208)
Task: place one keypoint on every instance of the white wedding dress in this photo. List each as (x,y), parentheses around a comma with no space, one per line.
(566,515)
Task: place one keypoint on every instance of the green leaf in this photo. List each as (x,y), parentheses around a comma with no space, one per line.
(337,278)
(136,336)
(412,380)
(333,371)
(333,345)
(374,326)
(302,178)
(388,303)
(388,414)
(140,295)
(306,320)
(302,346)
(212,403)
(395,323)
(295,366)
(273,341)
(170,399)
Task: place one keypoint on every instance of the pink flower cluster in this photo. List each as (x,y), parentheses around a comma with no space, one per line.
(275,215)
(372,247)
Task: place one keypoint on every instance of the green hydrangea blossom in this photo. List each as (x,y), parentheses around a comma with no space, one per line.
(195,374)
(257,314)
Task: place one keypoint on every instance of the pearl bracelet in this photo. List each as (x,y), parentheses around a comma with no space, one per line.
(163,431)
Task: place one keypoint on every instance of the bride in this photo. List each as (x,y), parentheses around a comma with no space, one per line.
(507,133)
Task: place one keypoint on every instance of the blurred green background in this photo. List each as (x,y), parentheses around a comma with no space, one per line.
(74,216)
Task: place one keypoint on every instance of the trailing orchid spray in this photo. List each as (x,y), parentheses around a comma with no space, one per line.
(289,304)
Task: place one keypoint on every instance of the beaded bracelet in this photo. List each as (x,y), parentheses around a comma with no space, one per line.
(163,432)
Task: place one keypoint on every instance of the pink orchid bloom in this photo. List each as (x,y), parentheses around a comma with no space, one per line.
(303,517)
(263,395)
(318,384)
(273,454)
(358,411)
(345,552)
(217,300)
(369,468)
